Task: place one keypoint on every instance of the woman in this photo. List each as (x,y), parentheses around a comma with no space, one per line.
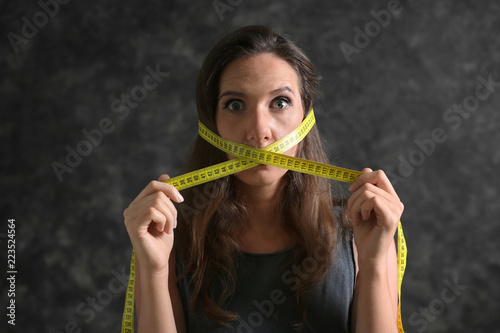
(263,250)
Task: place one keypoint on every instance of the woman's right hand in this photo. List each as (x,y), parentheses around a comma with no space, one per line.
(150,220)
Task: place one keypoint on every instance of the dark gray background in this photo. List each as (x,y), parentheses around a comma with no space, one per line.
(71,242)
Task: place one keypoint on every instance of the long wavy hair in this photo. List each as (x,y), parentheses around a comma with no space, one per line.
(207,233)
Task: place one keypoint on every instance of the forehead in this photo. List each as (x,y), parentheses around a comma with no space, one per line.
(265,70)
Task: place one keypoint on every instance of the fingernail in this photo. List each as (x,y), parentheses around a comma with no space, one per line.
(351,187)
(175,224)
(180,198)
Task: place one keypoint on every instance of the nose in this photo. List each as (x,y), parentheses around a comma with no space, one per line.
(259,128)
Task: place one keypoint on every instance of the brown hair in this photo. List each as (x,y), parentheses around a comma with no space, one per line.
(207,231)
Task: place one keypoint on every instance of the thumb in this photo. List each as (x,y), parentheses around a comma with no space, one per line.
(163,177)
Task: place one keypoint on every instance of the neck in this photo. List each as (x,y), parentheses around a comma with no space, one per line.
(265,233)
(263,207)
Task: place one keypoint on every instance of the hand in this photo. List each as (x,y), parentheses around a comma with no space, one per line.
(374,209)
(150,220)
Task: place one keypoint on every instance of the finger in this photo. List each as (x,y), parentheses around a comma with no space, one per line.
(164,222)
(361,179)
(152,215)
(155,186)
(354,205)
(140,217)
(379,207)
(163,177)
(162,203)
(367,187)
(356,201)
(377,178)
(157,200)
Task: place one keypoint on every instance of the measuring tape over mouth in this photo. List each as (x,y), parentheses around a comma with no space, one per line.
(249,157)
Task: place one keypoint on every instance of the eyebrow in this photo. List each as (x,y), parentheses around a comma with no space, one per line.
(240,94)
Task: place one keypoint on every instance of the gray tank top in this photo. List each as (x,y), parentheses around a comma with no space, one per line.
(265,295)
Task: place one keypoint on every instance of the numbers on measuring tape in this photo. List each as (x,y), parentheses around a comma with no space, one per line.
(128,312)
(248,157)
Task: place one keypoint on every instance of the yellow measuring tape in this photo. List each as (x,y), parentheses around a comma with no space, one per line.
(248,157)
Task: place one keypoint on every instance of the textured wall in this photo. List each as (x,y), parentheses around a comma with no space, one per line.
(388,96)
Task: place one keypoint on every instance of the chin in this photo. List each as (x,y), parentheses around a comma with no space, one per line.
(262,175)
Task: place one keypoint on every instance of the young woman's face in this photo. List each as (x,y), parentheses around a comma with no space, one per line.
(259,103)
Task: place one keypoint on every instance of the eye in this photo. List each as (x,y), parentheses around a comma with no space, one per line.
(281,103)
(234,105)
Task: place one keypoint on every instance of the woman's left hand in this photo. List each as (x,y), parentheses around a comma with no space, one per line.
(374,209)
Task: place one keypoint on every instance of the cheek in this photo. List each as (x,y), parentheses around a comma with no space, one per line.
(223,128)
(292,151)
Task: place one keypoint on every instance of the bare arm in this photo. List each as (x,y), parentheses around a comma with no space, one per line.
(156,313)
(375,210)
(375,297)
(150,220)
(173,297)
